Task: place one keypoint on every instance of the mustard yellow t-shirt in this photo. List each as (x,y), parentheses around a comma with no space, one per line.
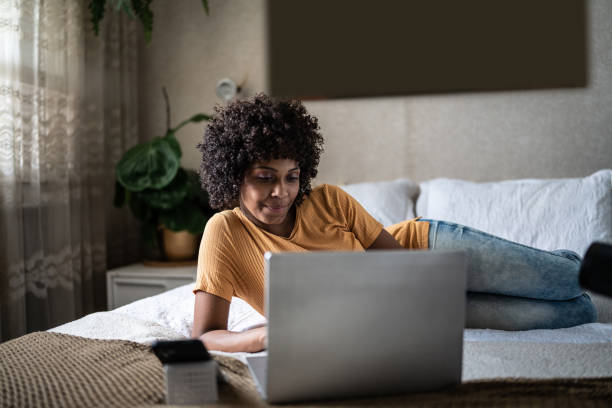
(230,259)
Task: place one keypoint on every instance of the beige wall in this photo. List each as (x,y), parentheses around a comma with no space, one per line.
(189,53)
(478,136)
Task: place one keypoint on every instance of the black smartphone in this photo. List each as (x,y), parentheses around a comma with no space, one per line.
(176,351)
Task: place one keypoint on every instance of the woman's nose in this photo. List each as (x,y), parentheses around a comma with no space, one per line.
(280,189)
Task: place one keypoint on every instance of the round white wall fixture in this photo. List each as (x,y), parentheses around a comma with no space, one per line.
(227,89)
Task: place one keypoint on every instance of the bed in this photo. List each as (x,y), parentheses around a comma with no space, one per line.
(562,367)
(581,351)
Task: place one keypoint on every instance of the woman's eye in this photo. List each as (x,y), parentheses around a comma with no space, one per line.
(293,178)
(264,178)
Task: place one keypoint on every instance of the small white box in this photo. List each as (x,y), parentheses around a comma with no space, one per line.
(191,383)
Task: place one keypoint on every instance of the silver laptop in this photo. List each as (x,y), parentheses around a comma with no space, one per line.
(354,324)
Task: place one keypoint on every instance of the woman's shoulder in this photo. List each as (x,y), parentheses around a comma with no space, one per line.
(223,216)
(324,198)
(223,221)
(222,231)
(327,193)
(326,190)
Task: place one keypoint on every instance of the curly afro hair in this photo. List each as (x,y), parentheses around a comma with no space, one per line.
(257,130)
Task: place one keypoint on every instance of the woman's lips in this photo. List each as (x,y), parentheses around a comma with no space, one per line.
(277,208)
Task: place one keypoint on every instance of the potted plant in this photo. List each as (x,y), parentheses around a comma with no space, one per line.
(165,197)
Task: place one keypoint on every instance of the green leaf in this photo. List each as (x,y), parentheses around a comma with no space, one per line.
(197,194)
(134,8)
(186,216)
(125,6)
(174,144)
(119,199)
(147,216)
(193,181)
(148,165)
(170,196)
(198,117)
(96,8)
(143,11)
(127,9)
(121,4)
(140,209)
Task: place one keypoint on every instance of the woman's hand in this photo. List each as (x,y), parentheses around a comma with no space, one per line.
(250,341)
(262,337)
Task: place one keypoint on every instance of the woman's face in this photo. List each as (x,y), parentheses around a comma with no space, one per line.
(269,189)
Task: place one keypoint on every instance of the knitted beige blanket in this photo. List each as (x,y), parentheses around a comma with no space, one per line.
(46,369)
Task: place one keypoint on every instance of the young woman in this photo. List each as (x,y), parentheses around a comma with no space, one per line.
(258,159)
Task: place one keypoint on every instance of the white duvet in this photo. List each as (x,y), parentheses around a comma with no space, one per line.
(582,351)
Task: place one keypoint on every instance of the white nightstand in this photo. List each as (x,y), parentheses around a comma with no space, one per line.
(129,283)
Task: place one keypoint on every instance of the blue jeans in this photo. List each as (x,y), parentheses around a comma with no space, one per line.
(515,287)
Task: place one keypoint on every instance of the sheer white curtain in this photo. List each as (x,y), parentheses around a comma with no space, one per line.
(68,110)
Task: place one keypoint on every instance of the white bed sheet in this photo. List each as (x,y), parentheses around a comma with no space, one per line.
(582,351)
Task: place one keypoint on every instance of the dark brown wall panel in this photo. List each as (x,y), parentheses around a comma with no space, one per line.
(357,48)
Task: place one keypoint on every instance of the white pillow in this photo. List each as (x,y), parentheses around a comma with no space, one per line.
(546,214)
(389,202)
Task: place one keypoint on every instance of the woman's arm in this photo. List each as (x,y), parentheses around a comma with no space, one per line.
(385,241)
(210,326)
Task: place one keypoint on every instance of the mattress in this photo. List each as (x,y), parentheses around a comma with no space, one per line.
(581,351)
